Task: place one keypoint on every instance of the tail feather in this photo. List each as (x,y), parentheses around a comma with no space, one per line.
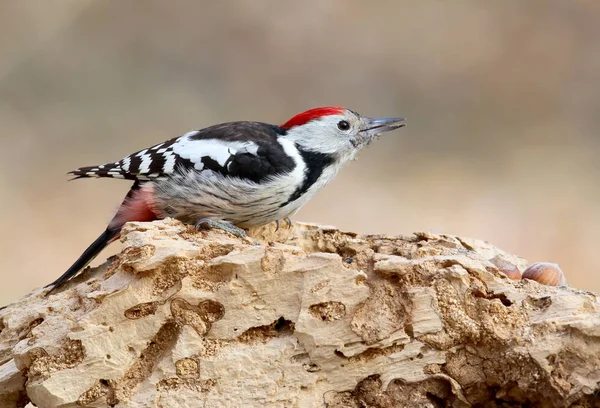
(88,256)
(135,207)
(112,170)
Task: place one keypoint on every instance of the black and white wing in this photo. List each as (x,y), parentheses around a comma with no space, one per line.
(248,150)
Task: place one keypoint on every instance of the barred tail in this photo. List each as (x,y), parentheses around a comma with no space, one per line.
(112,170)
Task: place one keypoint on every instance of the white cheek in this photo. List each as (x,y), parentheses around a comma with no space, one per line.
(324,136)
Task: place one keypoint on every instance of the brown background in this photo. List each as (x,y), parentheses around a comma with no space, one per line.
(502,98)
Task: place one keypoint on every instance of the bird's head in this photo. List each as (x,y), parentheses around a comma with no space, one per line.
(336,131)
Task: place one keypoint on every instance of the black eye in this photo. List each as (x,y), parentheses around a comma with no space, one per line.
(343,125)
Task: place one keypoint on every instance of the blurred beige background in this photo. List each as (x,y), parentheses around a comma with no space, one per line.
(502,98)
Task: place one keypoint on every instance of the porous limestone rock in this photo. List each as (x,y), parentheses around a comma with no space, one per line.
(302,317)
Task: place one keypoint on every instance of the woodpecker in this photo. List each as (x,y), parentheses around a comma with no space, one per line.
(234,175)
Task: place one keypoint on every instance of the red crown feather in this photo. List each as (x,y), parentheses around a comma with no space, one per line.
(305,117)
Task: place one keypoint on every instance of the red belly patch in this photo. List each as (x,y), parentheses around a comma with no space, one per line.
(139,207)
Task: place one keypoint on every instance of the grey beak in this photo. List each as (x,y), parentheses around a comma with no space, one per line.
(380,125)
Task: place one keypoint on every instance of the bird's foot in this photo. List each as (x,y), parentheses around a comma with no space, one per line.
(287,221)
(205,223)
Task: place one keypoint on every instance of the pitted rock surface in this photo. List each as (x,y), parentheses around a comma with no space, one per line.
(307,316)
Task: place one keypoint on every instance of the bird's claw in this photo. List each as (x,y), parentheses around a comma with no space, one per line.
(205,223)
(287,221)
